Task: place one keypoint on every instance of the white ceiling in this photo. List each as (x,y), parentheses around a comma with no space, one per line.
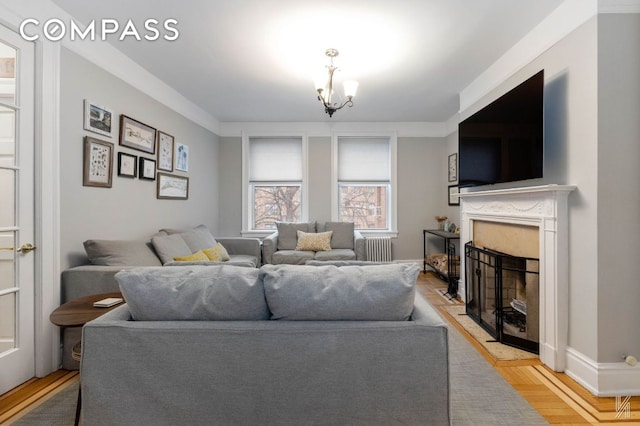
(256,60)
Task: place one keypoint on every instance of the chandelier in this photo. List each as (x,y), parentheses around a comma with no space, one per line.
(325,90)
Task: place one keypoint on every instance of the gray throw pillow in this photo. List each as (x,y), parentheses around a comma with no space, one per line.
(342,237)
(197,293)
(367,293)
(198,238)
(288,233)
(120,253)
(170,246)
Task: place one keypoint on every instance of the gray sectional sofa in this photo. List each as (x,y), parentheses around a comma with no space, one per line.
(107,257)
(283,345)
(346,243)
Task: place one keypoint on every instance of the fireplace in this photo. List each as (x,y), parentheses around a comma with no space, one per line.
(545,208)
(502,296)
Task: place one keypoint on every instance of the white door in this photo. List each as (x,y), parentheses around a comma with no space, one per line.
(17,259)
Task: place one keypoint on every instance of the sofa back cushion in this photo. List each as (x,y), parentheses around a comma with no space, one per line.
(288,233)
(198,238)
(342,237)
(367,293)
(170,246)
(121,253)
(207,293)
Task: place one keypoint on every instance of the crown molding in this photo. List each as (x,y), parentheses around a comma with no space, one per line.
(315,129)
(115,62)
(560,23)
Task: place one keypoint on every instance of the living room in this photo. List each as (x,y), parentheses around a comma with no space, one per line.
(589,53)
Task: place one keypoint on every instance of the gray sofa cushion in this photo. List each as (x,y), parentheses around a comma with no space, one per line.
(170,246)
(374,293)
(336,254)
(198,238)
(288,235)
(120,253)
(212,293)
(291,257)
(342,237)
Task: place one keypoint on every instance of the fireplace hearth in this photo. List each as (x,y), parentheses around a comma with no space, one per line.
(502,296)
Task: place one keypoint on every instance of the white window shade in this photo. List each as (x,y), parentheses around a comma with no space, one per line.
(275,159)
(364,159)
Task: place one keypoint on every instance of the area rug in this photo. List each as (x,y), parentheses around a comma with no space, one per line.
(497,350)
(479,395)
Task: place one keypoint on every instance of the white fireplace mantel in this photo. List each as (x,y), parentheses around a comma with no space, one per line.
(546,208)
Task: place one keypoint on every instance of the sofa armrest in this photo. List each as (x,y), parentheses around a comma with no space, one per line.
(241,245)
(86,280)
(269,246)
(358,245)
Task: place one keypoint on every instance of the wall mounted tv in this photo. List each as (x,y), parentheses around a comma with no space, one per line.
(503,142)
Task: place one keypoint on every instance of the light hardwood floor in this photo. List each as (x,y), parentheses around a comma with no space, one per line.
(556,396)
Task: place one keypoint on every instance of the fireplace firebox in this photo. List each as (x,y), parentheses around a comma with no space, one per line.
(502,296)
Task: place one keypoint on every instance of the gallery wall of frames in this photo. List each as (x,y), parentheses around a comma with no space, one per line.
(142,152)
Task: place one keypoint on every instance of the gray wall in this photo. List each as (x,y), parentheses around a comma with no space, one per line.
(618,178)
(129,209)
(422,188)
(591,140)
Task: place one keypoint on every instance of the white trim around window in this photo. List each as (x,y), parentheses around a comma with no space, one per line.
(247,195)
(392,207)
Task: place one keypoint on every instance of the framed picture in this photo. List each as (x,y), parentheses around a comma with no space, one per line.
(172,187)
(137,135)
(127,165)
(453,167)
(97,118)
(454,197)
(98,163)
(182,157)
(165,151)
(147,168)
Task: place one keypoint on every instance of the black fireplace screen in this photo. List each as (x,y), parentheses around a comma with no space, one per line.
(502,295)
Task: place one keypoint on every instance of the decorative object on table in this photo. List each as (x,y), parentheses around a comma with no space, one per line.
(450,227)
(147,168)
(326,92)
(172,187)
(453,167)
(182,157)
(137,135)
(454,195)
(98,163)
(165,151)
(440,220)
(127,165)
(97,118)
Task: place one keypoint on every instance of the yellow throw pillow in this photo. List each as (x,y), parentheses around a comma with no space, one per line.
(195,257)
(217,253)
(320,241)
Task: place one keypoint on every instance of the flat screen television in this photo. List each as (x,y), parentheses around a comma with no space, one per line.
(504,141)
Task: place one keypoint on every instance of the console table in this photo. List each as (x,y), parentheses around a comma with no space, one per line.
(452,274)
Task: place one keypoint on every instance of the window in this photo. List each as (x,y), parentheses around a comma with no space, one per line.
(364,174)
(274,181)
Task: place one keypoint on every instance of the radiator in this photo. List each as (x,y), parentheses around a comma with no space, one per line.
(378,249)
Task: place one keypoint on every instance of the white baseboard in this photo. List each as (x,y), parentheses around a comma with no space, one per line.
(605,378)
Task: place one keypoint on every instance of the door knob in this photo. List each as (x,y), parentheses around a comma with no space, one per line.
(26,248)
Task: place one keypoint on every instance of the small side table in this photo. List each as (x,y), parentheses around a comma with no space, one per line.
(77,313)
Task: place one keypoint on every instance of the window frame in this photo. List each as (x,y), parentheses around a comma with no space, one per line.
(392,205)
(247,185)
